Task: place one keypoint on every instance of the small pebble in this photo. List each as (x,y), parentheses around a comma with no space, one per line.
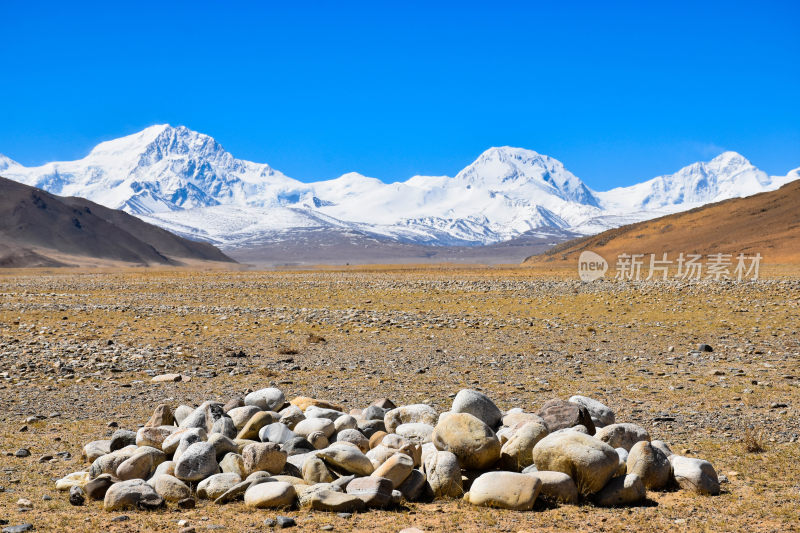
(286,521)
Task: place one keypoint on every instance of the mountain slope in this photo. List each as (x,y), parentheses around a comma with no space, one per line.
(766,223)
(187,182)
(32,220)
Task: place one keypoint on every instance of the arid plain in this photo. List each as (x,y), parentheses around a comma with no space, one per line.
(78,350)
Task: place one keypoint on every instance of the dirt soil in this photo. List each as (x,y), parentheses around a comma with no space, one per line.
(79,349)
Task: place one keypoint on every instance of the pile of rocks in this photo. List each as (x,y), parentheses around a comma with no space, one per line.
(311,453)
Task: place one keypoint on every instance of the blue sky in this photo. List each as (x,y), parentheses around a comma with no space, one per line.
(619,92)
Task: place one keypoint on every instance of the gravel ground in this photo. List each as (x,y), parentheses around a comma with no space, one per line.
(78,350)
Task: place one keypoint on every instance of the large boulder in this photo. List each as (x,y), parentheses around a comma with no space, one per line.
(171,442)
(108,463)
(478,405)
(415,432)
(251,428)
(204,416)
(347,458)
(414,485)
(138,466)
(198,462)
(95,449)
(650,464)
(270,494)
(601,414)
(622,490)
(376,492)
(557,487)
(590,462)
(240,415)
(622,435)
(263,456)
(276,432)
(153,436)
(269,399)
(419,413)
(132,494)
(517,452)
(396,469)
(505,490)
(470,439)
(354,436)
(162,416)
(315,471)
(444,474)
(215,486)
(170,488)
(559,414)
(695,475)
(307,427)
(328,500)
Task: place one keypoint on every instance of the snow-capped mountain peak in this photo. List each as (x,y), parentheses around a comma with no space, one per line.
(506,167)
(6,162)
(187,182)
(729,175)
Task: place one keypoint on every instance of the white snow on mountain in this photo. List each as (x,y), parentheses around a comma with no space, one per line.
(186,182)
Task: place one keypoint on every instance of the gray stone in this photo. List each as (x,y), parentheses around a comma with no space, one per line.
(478,405)
(328,500)
(444,474)
(122,438)
(240,415)
(276,432)
(198,462)
(373,412)
(622,435)
(76,496)
(353,436)
(96,488)
(215,486)
(269,399)
(348,459)
(133,494)
(297,446)
(558,414)
(413,486)
(376,492)
(695,475)
(407,414)
(601,414)
(225,426)
(622,490)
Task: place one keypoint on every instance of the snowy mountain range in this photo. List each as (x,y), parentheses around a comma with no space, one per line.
(188,183)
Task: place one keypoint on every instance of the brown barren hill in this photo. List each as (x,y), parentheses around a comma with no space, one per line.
(766,223)
(40,229)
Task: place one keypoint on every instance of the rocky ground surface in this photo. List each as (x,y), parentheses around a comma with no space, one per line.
(78,351)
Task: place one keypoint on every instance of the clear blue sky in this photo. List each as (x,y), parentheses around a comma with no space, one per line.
(619,92)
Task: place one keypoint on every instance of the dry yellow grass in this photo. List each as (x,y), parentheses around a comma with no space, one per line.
(412,334)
